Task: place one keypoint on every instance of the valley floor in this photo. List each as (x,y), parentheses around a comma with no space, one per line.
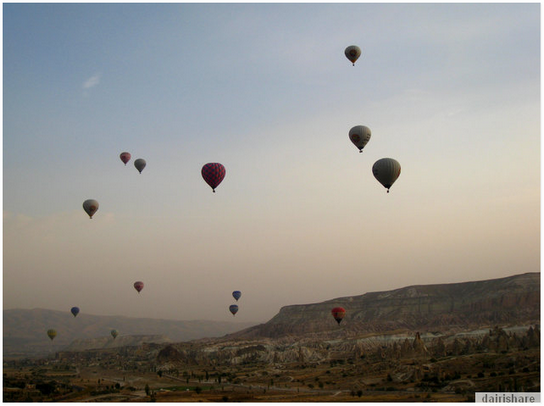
(446,379)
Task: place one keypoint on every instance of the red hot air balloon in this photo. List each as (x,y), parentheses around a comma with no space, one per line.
(338,313)
(213,174)
(125,157)
(138,286)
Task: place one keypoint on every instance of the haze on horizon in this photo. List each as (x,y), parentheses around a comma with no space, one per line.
(452,91)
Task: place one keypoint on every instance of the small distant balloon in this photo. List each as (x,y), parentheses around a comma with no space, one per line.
(91,207)
(386,171)
(360,135)
(114,334)
(138,286)
(237,294)
(353,52)
(338,313)
(213,173)
(233,309)
(140,164)
(75,311)
(125,157)
(51,334)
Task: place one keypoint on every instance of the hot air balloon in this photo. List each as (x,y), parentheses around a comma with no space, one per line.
(139,286)
(51,333)
(90,206)
(353,52)
(386,171)
(140,164)
(233,309)
(125,157)
(75,311)
(114,334)
(360,135)
(236,294)
(213,174)
(338,313)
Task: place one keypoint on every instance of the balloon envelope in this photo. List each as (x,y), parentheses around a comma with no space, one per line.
(114,334)
(360,135)
(338,313)
(236,294)
(125,157)
(140,164)
(213,173)
(90,206)
(386,171)
(51,333)
(75,311)
(353,52)
(139,286)
(233,309)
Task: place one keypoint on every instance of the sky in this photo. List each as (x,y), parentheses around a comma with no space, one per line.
(451,91)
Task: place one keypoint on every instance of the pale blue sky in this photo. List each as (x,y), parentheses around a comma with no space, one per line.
(452,91)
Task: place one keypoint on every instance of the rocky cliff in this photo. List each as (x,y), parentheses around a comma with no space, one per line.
(417,321)
(315,350)
(452,307)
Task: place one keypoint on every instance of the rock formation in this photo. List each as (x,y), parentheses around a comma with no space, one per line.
(441,308)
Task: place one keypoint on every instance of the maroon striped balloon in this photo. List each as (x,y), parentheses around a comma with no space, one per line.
(125,157)
(138,286)
(213,173)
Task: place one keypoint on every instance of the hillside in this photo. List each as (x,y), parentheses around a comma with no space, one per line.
(430,309)
(25,330)
(459,319)
(513,300)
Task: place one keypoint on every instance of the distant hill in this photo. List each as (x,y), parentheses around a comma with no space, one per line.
(25,330)
(514,300)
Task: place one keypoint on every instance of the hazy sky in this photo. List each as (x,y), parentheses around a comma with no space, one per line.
(452,91)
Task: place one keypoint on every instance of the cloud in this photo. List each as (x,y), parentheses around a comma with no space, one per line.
(92,81)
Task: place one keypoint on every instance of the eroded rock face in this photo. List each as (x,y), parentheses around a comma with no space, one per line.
(392,348)
(446,307)
(416,322)
(169,353)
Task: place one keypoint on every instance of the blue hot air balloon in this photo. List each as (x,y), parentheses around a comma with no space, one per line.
(236,294)
(233,309)
(75,311)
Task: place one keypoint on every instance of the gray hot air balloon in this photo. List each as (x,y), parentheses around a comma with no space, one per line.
(386,171)
(360,135)
(140,164)
(353,52)
(90,206)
